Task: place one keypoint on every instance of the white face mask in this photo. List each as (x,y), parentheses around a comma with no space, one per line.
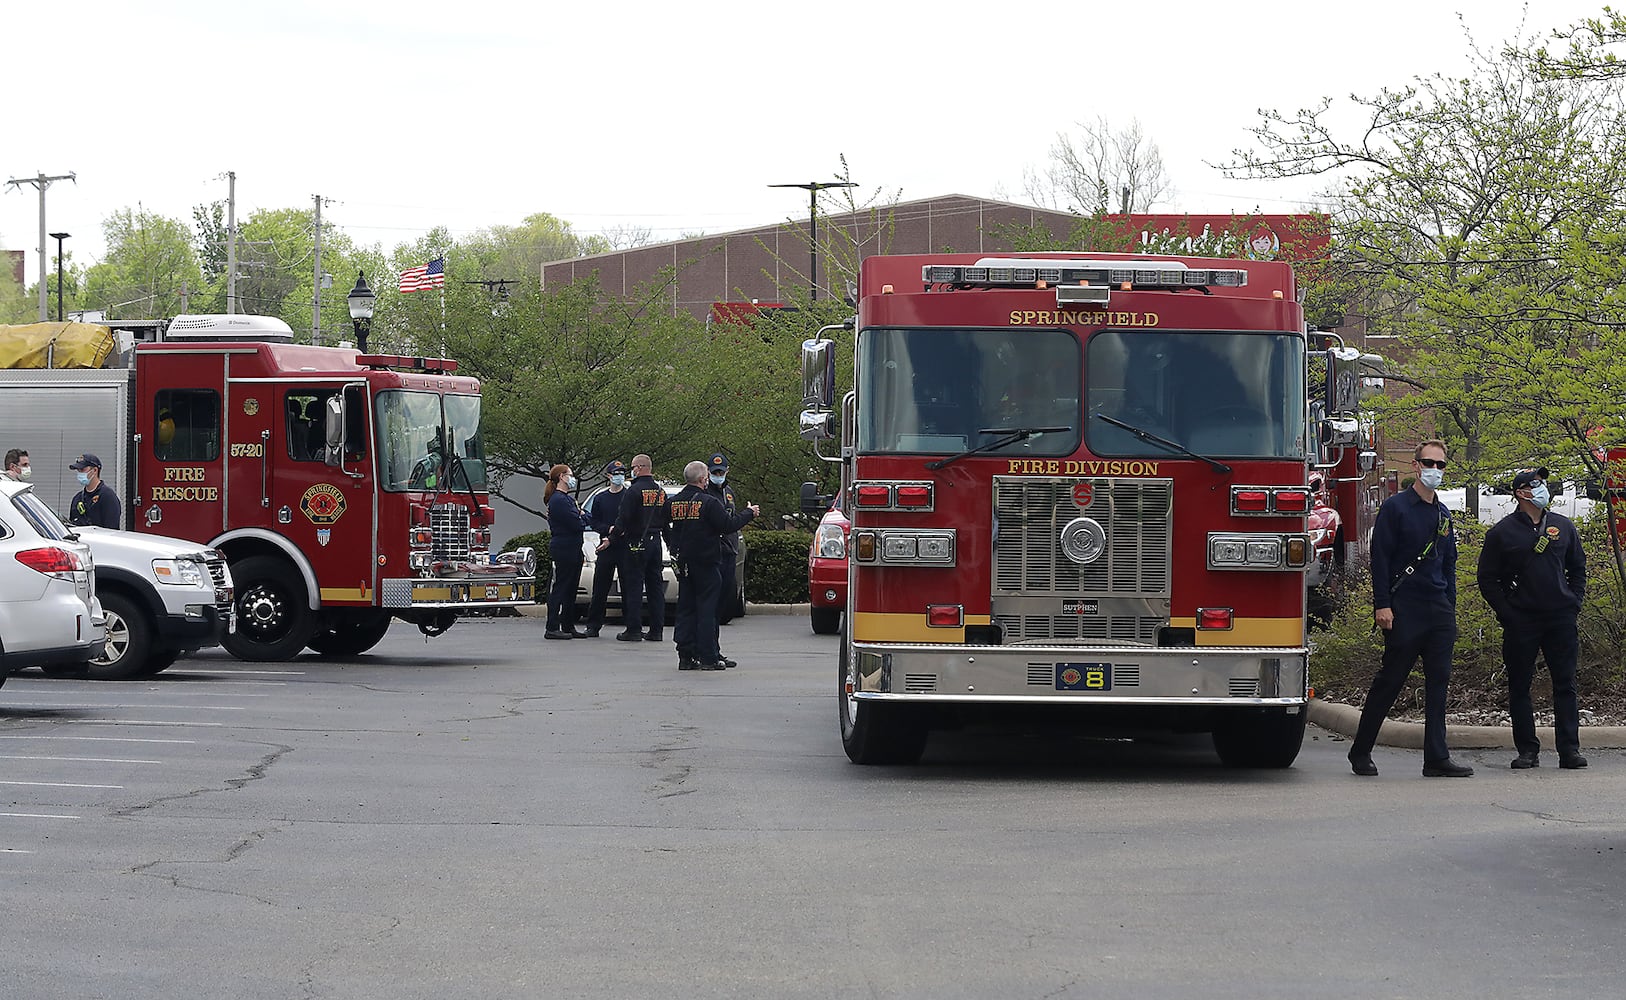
(25,472)
(570,482)
(718,480)
(1539,495)
(1432,478)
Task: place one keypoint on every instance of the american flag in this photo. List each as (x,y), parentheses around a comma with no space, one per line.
(430,275)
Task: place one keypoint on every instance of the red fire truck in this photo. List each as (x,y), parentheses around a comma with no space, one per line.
(344,489)
(1076,482)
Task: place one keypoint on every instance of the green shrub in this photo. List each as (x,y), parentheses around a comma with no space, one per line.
(537,540)
(1348,650)
(776,566)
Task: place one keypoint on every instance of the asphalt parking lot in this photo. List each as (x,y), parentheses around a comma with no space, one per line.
(487,814)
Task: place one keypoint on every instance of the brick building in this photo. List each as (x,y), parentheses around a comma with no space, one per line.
(767,261)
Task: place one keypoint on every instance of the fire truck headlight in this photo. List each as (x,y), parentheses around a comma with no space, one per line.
(1265,552)
(1083,540)
(419,560)
(1224,552)
(899,549)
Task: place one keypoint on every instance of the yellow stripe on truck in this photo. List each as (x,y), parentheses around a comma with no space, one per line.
(1248,632)
(872,626)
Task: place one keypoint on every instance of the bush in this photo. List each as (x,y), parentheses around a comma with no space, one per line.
(537,540)
(776,566)
(1349,649)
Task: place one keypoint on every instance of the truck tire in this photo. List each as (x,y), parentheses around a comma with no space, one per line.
(160,661)
(1260,738)
(274,619)
(349,635)
(129,639)
(826,621)
(873,732)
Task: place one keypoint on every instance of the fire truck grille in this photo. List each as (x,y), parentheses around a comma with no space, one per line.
(1116,630)
(449,524)
(1136,514)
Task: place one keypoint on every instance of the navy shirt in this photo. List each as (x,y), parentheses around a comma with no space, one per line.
(1406,523)
(698,523)
(100,507)
(565,520)
(1520,580)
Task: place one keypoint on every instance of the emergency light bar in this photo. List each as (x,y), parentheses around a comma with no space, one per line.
(400,362)
(1001,272)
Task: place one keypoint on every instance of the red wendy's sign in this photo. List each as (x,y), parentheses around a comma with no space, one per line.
(1293,238)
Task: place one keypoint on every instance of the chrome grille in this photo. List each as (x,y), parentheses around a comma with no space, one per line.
(217,571)
(1136,513)
(449,524)
(1131,577)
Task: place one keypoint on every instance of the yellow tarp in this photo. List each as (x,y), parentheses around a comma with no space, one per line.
(55,345)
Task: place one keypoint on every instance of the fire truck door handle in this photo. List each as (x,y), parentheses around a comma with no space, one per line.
(135,474)
(265,457)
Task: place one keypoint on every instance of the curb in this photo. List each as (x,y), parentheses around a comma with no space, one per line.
(1342,719)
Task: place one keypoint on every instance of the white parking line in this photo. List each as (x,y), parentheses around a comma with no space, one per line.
(56,784)
(98,739)
(37,816)
(123,704)
(83,760)
(230,673)
(13,850)
(144,722)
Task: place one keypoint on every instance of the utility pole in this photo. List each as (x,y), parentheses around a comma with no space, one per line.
(42,182)
(813,188)
(231,241)
(316,286)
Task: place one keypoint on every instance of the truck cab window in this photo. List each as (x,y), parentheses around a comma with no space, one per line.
(186,425)
(305,414)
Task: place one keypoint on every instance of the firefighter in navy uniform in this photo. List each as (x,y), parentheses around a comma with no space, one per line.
(698,526)
(95,503)
(639,524)
(719,488)
(602,511)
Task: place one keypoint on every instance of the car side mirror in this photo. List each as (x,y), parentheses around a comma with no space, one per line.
(812,501)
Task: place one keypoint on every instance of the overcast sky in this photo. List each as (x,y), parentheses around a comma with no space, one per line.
(674,117)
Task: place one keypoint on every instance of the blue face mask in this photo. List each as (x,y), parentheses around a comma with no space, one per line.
(570,482)
(1539,494)
(717,480)
(618,480)
(1432,478)
(84,478)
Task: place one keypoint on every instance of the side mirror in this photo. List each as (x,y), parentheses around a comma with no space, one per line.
(1366,461)
(817,425)
(333,430)
(1340,432)
(813,502)
(1343,381)
(818,374)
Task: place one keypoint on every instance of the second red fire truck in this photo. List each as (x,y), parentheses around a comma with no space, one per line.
(1077,483)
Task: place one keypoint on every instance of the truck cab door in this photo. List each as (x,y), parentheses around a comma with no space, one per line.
(322,489)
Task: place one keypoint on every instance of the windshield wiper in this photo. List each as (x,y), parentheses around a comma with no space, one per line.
(1011,436)
(1173,446)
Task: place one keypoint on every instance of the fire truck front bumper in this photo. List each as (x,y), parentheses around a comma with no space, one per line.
(462,591)
(1098,675)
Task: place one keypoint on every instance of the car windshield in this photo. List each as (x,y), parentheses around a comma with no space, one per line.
(941,391)
(413,429)
(1221,395)
(34,510)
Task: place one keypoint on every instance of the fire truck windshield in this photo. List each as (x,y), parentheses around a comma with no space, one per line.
(944,391)
(413,431)
(1221,394)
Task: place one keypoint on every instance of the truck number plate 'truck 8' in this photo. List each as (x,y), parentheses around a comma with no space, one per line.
(1083,677)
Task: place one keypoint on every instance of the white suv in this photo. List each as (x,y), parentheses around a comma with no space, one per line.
(163,597)
(49,615)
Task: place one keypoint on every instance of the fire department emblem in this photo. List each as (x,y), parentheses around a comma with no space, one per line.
(1071,676)
(251,406)
(1552,531)
(322,536)
(323,504)
(1083,494)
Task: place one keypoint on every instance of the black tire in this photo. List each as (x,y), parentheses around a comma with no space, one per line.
(160,661)
(350,634)
(1266,738)
(274,619)
(129,640)
(826,621)
(874,732)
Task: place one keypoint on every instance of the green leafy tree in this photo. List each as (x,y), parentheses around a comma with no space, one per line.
(149,265)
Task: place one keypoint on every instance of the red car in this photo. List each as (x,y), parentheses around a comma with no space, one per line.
(827,571)
(1324,525)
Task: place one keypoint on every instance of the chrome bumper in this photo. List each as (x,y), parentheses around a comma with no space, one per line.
(1136,675)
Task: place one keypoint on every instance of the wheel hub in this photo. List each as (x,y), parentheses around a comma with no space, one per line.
(262,609)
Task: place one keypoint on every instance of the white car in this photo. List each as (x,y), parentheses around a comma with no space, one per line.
(584,590)
(1496,502)
(164,597)
(49,614)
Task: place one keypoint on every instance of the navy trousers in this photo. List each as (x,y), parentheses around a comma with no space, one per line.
(1421,629)
(567,576)
(696,631)
(1556,638)
(643,592)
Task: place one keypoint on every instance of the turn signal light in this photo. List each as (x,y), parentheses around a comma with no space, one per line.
(1298,550)
(874,496)
(914,496)
(864,546)
(944,615)
(1214,618)
(422,536)
(1248,501)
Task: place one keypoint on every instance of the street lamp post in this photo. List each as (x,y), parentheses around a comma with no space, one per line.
(813,188)
(361,300)
(59,237)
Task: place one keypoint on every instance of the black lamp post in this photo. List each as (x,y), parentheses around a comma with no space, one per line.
(361,300)
(59,237)
(813,188)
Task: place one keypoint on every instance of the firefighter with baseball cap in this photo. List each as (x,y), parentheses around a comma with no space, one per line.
(602,511)
(95,503)
(717,486)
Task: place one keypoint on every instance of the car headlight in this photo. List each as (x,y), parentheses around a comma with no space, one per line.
(832,545)
(178,572)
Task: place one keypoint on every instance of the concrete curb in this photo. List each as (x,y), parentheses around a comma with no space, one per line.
(1342,719)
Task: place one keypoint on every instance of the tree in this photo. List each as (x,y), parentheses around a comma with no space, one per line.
(1589,56)
(148,265)
(1483,216)
(1100,170)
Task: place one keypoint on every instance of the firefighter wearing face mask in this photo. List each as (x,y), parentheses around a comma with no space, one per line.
(717,486)
(1532,572)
